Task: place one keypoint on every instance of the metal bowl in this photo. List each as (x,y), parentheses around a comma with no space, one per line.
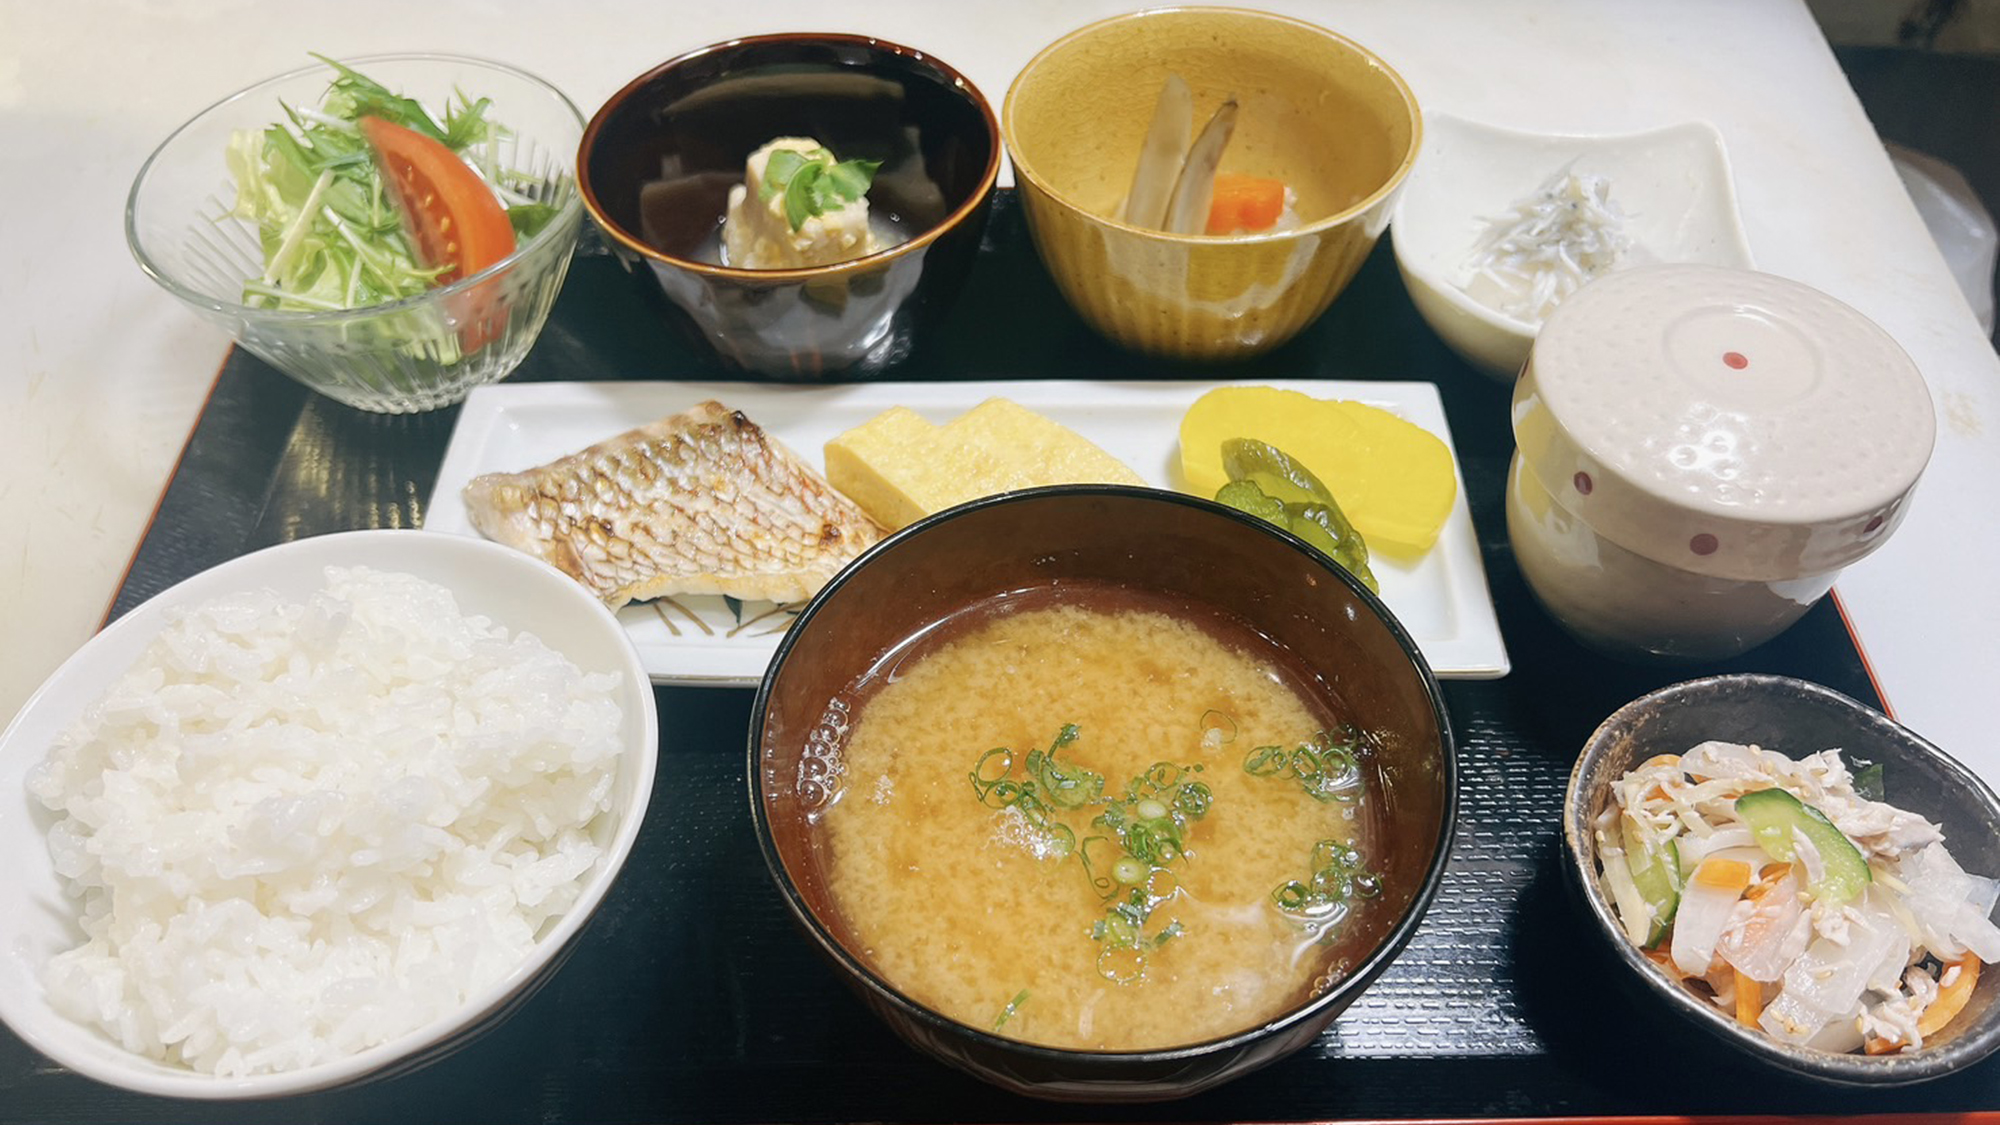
(1794,717)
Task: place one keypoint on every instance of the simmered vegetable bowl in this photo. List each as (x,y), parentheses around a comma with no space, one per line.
(1792,895)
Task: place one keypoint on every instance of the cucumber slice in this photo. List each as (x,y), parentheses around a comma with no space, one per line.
(1245,496)
(1656,871)
(1774,815)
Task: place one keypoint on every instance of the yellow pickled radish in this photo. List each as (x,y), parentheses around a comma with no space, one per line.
(1393,479)
(1411,486)
(1306,428)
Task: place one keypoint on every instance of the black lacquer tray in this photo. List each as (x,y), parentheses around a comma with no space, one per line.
(692,997)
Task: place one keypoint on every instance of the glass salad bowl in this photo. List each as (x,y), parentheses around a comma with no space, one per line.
(189,225)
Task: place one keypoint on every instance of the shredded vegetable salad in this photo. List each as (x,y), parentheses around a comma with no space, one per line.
(1791,895)
(329,192)
(1547,245)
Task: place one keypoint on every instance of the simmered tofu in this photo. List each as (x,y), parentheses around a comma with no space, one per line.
(758,235)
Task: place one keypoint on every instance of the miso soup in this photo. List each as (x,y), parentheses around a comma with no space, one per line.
(1095,821)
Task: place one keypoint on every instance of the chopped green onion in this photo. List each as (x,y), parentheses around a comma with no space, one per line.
(983,778)
(1014,1005)
(1327,770)
(1068,786)
(1322,900)
(995,790)
(1265,761)
(1217,728)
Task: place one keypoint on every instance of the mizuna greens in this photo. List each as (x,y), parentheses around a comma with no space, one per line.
(333,233)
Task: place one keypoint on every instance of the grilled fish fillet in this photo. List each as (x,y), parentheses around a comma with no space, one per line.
(702,502)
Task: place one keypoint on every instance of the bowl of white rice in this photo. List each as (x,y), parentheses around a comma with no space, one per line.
(323,812)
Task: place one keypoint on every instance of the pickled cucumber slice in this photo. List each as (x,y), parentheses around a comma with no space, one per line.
(1305,427)
(1267,483)
(1275,472)
(1395,480)
(1245,496)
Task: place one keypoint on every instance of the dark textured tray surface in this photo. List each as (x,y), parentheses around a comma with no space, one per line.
(693,998)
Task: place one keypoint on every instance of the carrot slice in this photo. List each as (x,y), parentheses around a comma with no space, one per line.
(1749,999)
(1951,997)
(1768,878)
(1658,955)
(1723,874)
(1249,203)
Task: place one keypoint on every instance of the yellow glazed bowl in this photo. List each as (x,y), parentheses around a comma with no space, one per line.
(1315,110)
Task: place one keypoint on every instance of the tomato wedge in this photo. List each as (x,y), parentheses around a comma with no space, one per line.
(453,219)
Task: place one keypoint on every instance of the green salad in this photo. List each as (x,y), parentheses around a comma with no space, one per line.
(368,198)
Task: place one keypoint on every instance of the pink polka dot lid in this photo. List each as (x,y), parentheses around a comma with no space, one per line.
(1723,421)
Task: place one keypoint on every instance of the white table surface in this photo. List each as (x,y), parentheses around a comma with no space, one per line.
(102,375)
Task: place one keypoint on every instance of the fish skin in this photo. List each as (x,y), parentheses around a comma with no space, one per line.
(700,502)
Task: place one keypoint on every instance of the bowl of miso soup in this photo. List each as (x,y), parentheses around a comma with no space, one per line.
(1102,793)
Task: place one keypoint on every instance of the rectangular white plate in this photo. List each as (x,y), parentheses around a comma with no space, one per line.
(1441,599)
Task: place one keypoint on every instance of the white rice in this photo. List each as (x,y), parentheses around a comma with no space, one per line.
(297,831)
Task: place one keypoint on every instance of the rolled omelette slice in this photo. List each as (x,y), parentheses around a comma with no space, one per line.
(900,467)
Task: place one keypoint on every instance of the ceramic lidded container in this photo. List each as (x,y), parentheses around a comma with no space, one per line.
(1700,450)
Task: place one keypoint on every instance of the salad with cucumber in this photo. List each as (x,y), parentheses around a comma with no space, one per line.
(1790,894)
(368,198)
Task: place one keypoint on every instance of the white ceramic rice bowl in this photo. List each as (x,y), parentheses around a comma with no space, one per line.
(523,594)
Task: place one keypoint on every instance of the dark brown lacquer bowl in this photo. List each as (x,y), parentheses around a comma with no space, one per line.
(658,160)
(1349,655)
(1795,718)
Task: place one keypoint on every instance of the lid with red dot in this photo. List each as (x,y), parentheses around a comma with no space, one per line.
(1723,421)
